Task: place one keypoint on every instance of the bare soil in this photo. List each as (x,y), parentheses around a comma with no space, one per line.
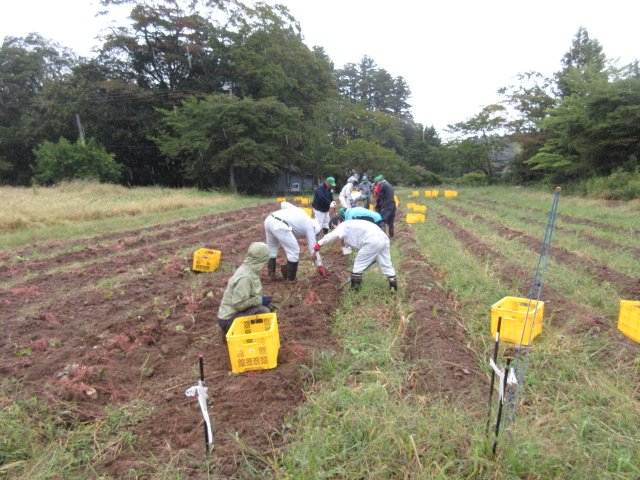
(121,320)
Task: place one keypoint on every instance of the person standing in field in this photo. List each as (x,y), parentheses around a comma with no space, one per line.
(283,228)
(386,204)
(372,245)
(323,202)
(366,190)
(345,193)
(243,296)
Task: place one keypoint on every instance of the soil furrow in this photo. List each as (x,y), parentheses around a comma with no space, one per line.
(627,286)
(597,241)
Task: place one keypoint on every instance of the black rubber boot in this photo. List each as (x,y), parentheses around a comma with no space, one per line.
(271,268)
(292,270)
(355,283)
(393,285)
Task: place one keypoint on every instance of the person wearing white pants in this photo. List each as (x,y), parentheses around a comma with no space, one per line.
(345,193)
(283,228)
(372,245)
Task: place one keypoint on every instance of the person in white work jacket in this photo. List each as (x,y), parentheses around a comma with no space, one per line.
(283,228)
(345,193)
(370,241)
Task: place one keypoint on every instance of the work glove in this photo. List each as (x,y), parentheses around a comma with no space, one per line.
(333,204)
(322,271)
(266,300)
(316,248)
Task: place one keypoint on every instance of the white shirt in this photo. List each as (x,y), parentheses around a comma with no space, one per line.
(356,234)
(346,191)
(301,224)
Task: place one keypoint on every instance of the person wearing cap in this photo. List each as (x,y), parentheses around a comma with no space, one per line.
(345,193)
(365,189)
(283,228)
(372,245)
(243,296)
(386,204)
(323,202)
(360,213)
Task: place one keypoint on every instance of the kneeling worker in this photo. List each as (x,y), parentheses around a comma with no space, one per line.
(372,245)
(283,228)
(243,296)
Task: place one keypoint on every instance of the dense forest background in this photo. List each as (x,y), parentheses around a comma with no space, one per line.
(216,94)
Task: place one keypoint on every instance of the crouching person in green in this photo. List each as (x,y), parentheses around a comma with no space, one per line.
(243,296)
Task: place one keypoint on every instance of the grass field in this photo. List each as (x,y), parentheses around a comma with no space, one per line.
(397,386)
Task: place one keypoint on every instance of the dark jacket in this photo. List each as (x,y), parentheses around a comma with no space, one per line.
(322,198)
(386,198)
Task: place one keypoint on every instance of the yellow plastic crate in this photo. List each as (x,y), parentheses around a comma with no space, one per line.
(306,201)
(410,205)
(253,343)
(513,311)
(415,217)
(629,319)
(206,260)
(297,199)
(308,211)
(395,197)
(373,208)
(281,199)
(419,208)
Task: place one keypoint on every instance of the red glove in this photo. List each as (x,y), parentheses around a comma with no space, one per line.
(322,271)
(317,247)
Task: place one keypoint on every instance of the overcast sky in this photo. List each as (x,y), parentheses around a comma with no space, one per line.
(454,55)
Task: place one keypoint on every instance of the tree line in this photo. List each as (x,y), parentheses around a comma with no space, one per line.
(213,93)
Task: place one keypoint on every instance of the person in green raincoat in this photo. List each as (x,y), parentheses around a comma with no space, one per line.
(243,296)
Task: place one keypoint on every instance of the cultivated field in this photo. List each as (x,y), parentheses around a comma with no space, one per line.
(104,322)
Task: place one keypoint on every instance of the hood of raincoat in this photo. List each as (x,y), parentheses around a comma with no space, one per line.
(257,256)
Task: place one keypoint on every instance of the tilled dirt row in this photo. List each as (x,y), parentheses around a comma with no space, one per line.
(567,315)
(627,286)
(568,219)
(123,321)
(592,239)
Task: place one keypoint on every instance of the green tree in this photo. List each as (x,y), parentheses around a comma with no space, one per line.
(485,130)
(27,67)
(530,100)
(583,66)
(231,141)
(64,160)
(374,88)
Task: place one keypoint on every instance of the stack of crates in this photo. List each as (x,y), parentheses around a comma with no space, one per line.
(518,315)
(629,319)
(253,343)
(206,260)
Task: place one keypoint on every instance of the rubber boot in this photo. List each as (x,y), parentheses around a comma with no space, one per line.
(292,270)
(393,285)
(355,283)
(271,268)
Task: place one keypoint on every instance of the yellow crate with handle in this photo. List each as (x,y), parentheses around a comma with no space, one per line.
(206,260)
(281,199)
(253,343)
(629,319)
(517,314)
(415,218)
(419,208)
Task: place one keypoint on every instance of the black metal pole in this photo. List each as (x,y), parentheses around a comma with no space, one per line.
(206,432)
(504,390)
(493,372)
